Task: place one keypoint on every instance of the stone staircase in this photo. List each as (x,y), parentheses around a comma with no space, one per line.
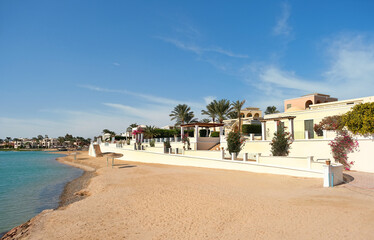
(215,147)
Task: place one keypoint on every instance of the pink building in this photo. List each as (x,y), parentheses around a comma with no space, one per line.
(303,102)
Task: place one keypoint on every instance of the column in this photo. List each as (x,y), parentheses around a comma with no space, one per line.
(290,123)
(276,126)
(182,132)
(196,132)
(263,130)
(196,136)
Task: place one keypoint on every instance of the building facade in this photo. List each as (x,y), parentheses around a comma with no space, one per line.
(300,122)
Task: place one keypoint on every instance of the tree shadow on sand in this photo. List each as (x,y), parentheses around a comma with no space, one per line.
(124,165)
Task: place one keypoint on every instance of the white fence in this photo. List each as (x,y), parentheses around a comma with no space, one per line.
(211,159)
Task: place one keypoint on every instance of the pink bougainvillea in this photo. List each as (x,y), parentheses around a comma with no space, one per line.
(137,131)
(341,146)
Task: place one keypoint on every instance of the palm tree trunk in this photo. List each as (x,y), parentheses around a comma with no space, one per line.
(240,121)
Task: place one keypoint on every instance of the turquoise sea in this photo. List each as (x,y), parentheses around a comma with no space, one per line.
(30,182)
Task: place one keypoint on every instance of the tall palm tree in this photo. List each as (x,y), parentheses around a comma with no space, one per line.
(232,115)
(181,113)
(210,111)
(222,108)
(190,118)
(271,110)
(237,107)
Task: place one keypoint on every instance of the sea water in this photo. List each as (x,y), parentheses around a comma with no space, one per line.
(30,182)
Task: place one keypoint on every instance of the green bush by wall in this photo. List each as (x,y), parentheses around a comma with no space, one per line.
(253,128)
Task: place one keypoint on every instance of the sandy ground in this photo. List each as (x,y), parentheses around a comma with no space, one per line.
(150,201)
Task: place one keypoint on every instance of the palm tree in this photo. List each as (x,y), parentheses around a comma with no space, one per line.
(222,108)
(271,110)
(232,115)
(182,113)
(210,111)
(150,131)
(129,128)
(205,120)
(237,107)
(112,134)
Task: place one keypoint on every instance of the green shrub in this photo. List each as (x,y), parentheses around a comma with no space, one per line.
(152,143)
(167,146)
(214,134)
(253,128)
(167,133)
(281,142)
(360,120)
(191,132)
(234,143)
(117,138)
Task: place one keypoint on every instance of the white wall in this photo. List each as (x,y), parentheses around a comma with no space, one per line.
(364,158)
(194,161)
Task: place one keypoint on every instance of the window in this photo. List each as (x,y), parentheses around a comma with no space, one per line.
(308,126)
(289,106)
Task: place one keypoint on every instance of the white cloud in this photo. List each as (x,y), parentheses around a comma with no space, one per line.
(201,50)
(147,97)
(116,64)
(282,27)
(88,123)
(349,73)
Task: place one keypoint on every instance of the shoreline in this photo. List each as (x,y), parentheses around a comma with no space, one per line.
(73,191)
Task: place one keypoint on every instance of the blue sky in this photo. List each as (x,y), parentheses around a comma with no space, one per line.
(81,66)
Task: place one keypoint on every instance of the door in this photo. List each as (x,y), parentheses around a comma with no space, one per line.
(308,126)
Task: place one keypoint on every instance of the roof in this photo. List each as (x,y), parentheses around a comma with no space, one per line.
(277,118)
(250,108)
(203,124)
(316,94)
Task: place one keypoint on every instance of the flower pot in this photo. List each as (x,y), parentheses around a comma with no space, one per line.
(328,162)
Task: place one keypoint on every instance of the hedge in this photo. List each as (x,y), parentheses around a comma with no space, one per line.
(167,133)
(253,128)
(214,134)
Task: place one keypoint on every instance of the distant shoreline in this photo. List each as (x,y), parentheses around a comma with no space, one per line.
(20,150)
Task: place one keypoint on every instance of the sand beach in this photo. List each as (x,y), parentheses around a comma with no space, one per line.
(151,201)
